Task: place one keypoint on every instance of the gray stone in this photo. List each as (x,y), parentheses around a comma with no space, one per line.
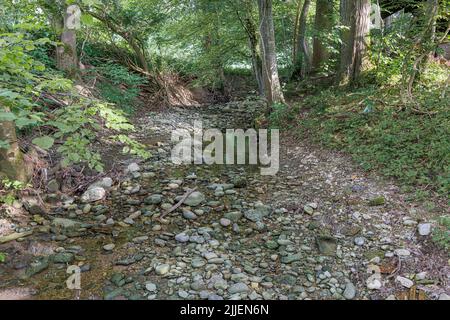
(359,241)
(291,258)
(189,215)
(198,262)
(238,288)
(308,209)
(224,222)
(133,167)
(105,183)
(327,245)
(258,213)
(153,199)
(162,269)
(150,286)
(424,229)
(63,257)
(109,247)
(182,237)
(402,252)
(65,223)
(194,199)
(444,296)
(233,216)
(350,291)
(140,239)
(94,194)
(407,283)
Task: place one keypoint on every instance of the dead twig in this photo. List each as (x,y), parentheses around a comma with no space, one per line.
(179,203)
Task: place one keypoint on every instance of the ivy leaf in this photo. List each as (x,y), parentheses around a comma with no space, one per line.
(4,144)
(23,122)
(44,142)
(7,116)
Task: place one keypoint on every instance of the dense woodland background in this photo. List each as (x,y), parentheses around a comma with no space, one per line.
(82,80)
(372,82)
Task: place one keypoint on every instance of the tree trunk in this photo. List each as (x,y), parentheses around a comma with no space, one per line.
(360,31)
(346,9)
(138,51)
(66,54)
(302,62)
(11,159)
(355,14)
(257,66)
(323,24)
(272,87)
(295,36)
(256,55)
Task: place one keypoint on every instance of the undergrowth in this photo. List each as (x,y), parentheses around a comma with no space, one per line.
(406,141)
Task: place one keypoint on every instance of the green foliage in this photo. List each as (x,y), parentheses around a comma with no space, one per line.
(2,257)
(282,115)
(132,146)
(9,189)
(441,234)
(380,134)
(120,86)
(74,126)
(45,142)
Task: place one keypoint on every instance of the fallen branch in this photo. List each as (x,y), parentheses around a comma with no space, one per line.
(14,236)
(179,203)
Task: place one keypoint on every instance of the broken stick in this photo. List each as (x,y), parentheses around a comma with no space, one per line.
(179,203)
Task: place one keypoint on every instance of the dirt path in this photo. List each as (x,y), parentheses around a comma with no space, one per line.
(316,230)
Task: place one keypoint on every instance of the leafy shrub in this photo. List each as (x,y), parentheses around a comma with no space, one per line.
(397,141)
(9,189)
(76,124)
(281,115)
(121,86)
(441,234)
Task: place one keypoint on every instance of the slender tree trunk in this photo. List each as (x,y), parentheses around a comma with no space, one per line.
(250,29)
(11,159)
(138,51)
(302,62)
(346,9)
(66,54)
(257,65)
(323,24)
(355,14)
(256,55)
(295,37)
(360,32)
(272,86)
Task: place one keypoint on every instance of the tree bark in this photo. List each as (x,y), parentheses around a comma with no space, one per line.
(250,29)
(355,15)
(346,9)
(272,86)
(360,31)
(323,24)
(132,41)
(302,62)
(66,54)
(256,60)
(11,160)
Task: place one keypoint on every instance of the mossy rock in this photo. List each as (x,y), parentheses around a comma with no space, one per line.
(378,201)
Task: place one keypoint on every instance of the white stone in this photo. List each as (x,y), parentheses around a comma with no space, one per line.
(424,229)
(402,252)
(405,281)
(94,194)
(374,284)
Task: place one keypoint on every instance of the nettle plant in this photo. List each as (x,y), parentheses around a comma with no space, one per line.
(75,124)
